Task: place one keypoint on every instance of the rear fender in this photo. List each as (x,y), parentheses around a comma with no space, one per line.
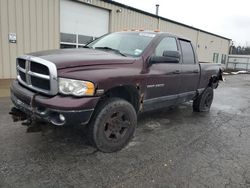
(215,79)
(220,77)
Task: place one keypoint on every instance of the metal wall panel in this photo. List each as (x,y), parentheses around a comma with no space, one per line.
(36,24)
(209,44)
(131,19)
(126,19)
(1,50)
(74,17)
(182,31)
(5,59)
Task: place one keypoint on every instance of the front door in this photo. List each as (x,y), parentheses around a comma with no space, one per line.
(162,85)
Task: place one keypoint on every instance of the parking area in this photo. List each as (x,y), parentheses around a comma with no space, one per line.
(172,148)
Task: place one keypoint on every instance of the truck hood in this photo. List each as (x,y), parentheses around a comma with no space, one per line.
(65,58)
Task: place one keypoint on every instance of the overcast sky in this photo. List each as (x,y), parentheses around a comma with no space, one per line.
(227,18)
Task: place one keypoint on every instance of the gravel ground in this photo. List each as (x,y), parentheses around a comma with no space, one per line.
(172,148)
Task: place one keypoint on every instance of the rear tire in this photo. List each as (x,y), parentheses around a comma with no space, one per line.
(204,101)
(113,125)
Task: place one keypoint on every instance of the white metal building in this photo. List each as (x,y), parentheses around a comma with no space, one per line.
(238,62)
(34,25)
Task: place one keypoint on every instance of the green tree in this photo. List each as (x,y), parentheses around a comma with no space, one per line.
(240,50)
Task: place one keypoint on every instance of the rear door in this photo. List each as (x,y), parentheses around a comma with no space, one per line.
(190,72)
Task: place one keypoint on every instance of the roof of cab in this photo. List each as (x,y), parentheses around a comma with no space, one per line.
(156,32)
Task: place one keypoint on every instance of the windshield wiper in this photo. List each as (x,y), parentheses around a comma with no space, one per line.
(108,48)
(86,46)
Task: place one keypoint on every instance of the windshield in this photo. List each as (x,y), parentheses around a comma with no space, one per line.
(128,44)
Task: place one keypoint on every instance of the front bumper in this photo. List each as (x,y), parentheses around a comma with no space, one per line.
(58,110)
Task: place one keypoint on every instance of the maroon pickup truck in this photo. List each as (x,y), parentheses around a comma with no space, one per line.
(108,82)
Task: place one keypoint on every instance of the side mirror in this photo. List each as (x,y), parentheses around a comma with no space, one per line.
(168,57)
(173,54)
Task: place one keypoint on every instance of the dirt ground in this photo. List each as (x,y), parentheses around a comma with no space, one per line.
(172,148)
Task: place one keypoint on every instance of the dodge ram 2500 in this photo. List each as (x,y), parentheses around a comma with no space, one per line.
(108,82)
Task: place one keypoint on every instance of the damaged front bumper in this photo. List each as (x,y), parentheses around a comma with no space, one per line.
(58,110)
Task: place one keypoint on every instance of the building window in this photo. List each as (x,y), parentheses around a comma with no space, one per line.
(216,57)
(74,40)
(223,58)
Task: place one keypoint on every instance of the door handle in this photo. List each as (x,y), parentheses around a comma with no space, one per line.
(177,72)
(196,71)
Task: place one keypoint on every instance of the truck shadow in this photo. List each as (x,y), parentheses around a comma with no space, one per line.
(74,139)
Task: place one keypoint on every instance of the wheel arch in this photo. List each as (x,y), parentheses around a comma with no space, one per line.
(214,80)
(129,93)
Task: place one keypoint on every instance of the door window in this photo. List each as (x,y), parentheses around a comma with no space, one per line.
(223,59)
(166,44)
(187,52)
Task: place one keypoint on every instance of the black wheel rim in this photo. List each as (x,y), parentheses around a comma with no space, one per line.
(116,126)
(208,100)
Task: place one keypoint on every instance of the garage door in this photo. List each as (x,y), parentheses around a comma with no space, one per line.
(81,23)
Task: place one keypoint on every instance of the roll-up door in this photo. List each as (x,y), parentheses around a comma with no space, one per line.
(81,23)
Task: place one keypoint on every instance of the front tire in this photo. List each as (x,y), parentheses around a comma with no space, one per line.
(204,101)
(113,125)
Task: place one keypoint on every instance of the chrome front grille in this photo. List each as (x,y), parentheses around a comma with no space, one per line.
(37,74)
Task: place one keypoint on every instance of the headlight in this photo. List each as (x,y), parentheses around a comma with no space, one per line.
(76,87)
